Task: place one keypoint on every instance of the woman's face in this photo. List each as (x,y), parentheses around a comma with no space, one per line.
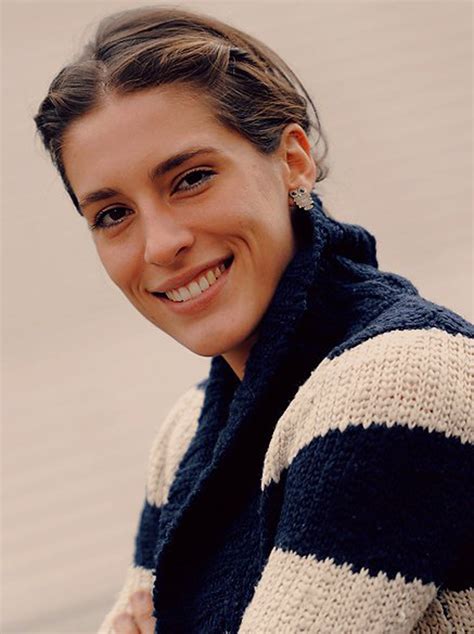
(174,194)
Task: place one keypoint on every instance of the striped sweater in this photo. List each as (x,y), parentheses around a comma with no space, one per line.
(331,490)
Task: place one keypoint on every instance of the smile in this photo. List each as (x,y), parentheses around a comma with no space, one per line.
(198,285)
(199,292)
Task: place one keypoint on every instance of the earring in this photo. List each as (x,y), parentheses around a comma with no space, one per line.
(302,198)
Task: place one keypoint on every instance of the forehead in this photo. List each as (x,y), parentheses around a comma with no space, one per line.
(132,128)
(163,106)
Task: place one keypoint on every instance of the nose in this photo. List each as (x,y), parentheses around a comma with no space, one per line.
(164,238)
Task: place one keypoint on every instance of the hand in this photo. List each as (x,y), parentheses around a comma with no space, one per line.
(142,621)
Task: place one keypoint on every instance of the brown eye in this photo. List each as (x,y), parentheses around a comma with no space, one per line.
(195,178)
(110,217)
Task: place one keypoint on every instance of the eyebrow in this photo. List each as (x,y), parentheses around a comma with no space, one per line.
(157,171)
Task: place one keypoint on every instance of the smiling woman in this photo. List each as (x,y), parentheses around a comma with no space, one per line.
(189,199)
(270,504)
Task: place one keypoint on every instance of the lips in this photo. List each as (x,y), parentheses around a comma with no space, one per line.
(227,262)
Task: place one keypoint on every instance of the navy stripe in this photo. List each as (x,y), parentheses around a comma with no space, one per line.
(386,499)
(411,312)
(147,535)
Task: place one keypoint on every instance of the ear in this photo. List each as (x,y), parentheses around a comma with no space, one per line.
(299,168)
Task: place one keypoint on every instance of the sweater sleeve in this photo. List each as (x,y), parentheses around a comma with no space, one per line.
(370,469)
(137,577)
(169,445)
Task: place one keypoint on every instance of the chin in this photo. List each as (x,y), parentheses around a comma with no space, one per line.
(205,348)
(215,345)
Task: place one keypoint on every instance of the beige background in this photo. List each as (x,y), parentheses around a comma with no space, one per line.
(87,379)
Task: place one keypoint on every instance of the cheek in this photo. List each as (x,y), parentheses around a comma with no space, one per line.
(121,265)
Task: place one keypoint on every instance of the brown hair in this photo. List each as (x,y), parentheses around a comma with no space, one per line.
(250,88)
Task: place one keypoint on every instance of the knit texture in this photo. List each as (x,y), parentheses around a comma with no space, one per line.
(331,489)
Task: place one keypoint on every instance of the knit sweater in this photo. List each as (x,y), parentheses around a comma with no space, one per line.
(331,490)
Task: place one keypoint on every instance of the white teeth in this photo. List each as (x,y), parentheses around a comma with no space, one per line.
(195,288)
(173,295)
(203,283)
(184,293)
(211,278)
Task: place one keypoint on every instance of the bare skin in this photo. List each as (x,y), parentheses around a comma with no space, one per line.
(142,621)
(150,229)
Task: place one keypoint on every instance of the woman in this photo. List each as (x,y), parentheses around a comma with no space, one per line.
(318,479)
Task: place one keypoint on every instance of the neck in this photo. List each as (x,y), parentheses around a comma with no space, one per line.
(237,358)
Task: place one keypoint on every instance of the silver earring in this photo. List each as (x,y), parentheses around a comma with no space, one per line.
(302,198)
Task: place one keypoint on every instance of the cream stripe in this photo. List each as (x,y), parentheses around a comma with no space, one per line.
(302,594)
(448,612)
(137,578)
(434,620)
(460,607)
(170,444)
(419,378)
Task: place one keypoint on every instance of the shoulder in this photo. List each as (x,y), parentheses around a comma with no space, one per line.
(403,378)
(171,442)
(409,312)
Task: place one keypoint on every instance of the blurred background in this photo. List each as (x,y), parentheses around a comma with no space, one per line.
(86,379)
